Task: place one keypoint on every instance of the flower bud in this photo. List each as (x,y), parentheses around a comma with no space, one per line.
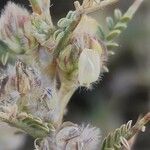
(68,59)
(22,78)
(15,28)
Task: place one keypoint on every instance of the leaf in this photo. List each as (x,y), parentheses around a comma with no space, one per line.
(101,33)
(125,19)
(112,45)
(110,22)
(4,58)
(122,135)
(121,26)
(64,39)
(71,15)
(3,47)
(60,36)
(121,20)
(113,34)
(64,22)
(31,125)
(5,53)
(112,141)
(117,14)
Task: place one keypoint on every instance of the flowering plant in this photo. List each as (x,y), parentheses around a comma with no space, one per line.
(42,65)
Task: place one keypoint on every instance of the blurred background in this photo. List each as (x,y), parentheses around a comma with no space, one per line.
(122,94)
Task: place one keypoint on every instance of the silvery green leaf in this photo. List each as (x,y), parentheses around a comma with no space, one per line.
(101,33)
(71,15)
(117,14)
(112,45)
(110,22)
(64,22)
(121,26)
(113,34)
(4,58)
(112,141)
(60,36)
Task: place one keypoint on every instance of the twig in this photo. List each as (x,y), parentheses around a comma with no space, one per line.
(102,5)
(35,6)
(139,125)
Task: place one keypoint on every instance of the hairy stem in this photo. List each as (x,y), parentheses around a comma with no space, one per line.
(139,125)
(35,6)
(132,10)
(102,5)
(65,94)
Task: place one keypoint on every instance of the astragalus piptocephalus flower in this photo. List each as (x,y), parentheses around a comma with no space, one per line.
(43,65)
(92,59)
(88,65)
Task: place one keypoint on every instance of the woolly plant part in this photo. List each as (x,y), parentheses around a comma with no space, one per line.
(43,65)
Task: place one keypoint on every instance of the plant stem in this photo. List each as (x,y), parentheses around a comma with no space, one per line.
(35,6)
(65,94)
(132,10)
(102,5)
(139,125)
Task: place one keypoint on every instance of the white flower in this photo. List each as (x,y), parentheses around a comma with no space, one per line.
(89,67)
